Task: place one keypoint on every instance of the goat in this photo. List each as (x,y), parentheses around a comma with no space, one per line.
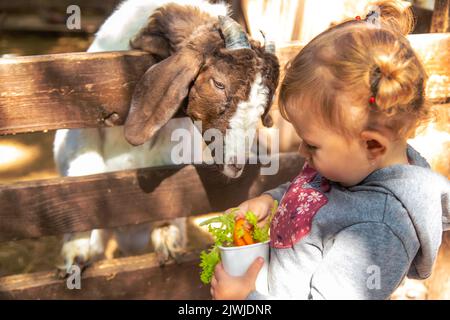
(206,67)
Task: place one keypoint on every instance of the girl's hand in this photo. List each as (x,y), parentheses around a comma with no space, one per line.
(226,287)
(261,206)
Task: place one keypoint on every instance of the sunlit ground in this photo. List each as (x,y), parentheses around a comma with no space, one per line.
(26,157)
(434,145)
(14,155)
(433,140)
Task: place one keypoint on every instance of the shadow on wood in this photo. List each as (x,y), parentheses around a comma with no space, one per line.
(137,277)
(73,204)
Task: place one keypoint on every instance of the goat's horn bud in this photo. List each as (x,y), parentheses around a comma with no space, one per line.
(269,47)
(235,37)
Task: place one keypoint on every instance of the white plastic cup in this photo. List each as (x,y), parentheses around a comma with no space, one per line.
(237,260)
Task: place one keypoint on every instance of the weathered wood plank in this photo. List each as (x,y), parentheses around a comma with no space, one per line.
(80,90)
(440,21)
(64,205)
(434,51)
(43,5)
(137,277)
(67,90)
(38,23)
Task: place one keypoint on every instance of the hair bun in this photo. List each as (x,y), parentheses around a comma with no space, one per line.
(395,15)
(394,78)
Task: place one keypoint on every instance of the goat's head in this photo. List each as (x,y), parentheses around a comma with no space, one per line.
(218,77)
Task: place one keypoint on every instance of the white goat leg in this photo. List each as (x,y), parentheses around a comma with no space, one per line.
(159,244)
(176,240)
(77,153)
(170,240)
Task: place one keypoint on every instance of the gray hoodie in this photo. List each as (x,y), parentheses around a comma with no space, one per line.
(358,242)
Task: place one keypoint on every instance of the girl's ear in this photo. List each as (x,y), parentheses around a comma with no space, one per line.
(375,143)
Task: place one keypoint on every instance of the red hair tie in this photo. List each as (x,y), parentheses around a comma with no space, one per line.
(358,18)
(372,100)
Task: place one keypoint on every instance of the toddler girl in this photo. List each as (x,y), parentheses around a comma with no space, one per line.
(366,210)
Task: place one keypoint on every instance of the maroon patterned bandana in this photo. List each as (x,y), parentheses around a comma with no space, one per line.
(304,197)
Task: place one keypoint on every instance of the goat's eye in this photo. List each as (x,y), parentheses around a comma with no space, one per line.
(218,85)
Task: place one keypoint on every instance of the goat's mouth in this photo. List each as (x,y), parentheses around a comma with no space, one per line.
(232,170)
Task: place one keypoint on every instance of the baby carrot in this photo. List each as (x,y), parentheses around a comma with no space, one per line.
(242,236)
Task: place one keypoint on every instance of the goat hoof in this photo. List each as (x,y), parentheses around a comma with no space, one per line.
(178,256)
(63,271)
(158,240)
(76,251)
(162,259)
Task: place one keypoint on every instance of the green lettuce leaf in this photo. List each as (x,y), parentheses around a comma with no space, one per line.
(223,236)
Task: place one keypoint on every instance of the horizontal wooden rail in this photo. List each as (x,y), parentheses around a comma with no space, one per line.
(65,205)
(51,15)
(67,90)
(138,277)
(80,90)
(42,5)
(38,23)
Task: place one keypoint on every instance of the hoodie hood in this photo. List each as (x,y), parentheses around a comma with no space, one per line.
(425,196)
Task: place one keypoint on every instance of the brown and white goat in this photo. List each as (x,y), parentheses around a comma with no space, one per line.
(207,67)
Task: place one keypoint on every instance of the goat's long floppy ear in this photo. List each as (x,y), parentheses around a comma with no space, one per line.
(159,94)
(266,118)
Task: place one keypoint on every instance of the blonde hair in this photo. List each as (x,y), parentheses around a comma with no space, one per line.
(351,62)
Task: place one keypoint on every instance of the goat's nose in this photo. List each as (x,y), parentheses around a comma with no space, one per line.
(233,168)
(235,164)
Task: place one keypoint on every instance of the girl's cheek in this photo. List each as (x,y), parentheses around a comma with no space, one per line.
(323,166)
